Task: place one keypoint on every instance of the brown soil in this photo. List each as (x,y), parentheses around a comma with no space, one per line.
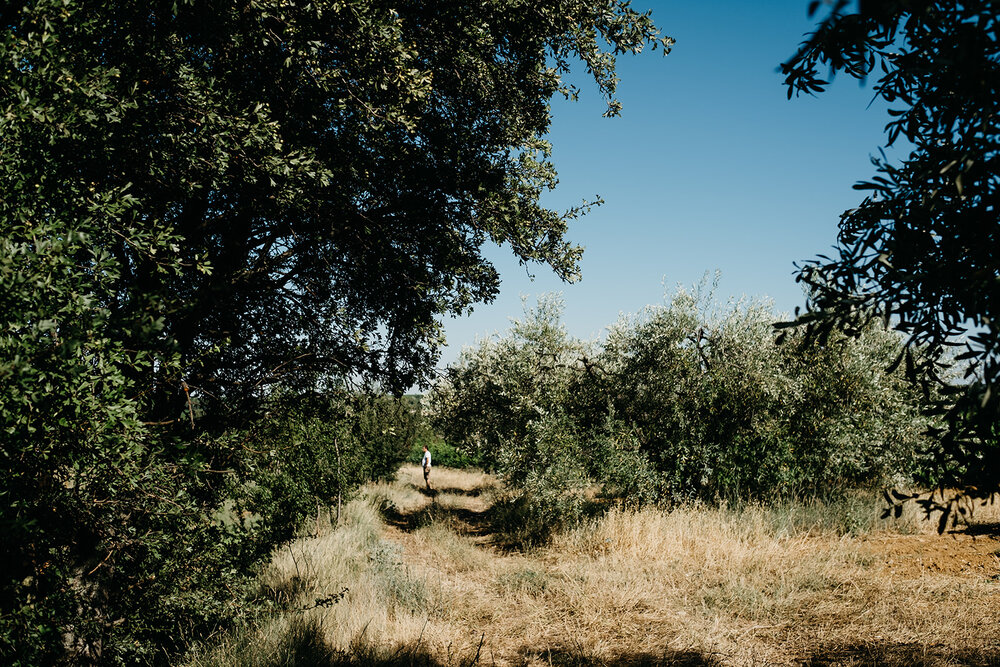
(973,552)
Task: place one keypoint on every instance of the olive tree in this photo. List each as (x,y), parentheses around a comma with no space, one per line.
(920,250)
(685,400)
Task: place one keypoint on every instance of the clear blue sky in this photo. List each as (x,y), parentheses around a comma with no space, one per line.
(710,167)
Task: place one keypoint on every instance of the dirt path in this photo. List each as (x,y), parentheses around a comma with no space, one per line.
(459,499)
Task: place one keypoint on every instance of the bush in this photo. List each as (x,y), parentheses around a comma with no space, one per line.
(547,476)
(442,454)
(496,391)
(724,411)
(316,448)
(685,400)
(182,566)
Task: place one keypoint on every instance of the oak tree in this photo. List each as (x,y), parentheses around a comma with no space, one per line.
(202,200)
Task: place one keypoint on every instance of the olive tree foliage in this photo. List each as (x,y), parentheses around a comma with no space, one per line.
(511,402)
(208,203)
(921,250)
(722,411)
(704,391)
(685,400)
(503,384)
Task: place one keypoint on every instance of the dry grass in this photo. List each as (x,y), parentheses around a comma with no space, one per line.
(789,585)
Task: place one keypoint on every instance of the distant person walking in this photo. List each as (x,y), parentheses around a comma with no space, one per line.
(425,463)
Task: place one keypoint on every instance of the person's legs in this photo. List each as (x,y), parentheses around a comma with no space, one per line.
(427,474)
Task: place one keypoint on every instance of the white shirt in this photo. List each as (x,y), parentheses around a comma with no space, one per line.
(426,462)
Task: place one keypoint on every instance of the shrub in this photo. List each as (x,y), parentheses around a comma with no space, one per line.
(685,400)
(442,453)
(547,474)
(495,391)
(317,447)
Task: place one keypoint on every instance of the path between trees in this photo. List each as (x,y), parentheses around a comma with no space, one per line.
(884,598)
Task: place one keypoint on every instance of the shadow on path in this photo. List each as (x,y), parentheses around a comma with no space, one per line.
(888,654)
(305,644)
(986,529)
(463,520)
(474,492)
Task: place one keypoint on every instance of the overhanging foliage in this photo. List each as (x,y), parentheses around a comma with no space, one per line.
(922,250)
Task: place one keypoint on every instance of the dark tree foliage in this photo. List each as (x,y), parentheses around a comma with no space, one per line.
(203,201)
(922,250)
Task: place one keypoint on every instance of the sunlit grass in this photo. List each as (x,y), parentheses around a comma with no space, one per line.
(747,585)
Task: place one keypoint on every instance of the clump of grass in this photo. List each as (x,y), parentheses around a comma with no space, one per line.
(440,547)
(528,581)
(393,498)
(294,640)
(853,513)
(400,589)
(736,564)
(340,588)
(303,643)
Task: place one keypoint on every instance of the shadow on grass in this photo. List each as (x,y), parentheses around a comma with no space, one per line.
(900,655)
(575,658)
(474,492)
(511,524)
(305,645)
(463,520)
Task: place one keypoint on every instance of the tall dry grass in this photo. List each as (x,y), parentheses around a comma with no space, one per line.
(798,583)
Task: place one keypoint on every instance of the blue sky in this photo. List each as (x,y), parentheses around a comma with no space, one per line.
(710,167)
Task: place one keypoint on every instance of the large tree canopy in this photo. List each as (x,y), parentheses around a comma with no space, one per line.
(202,199)
(266,185)
(922,250)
